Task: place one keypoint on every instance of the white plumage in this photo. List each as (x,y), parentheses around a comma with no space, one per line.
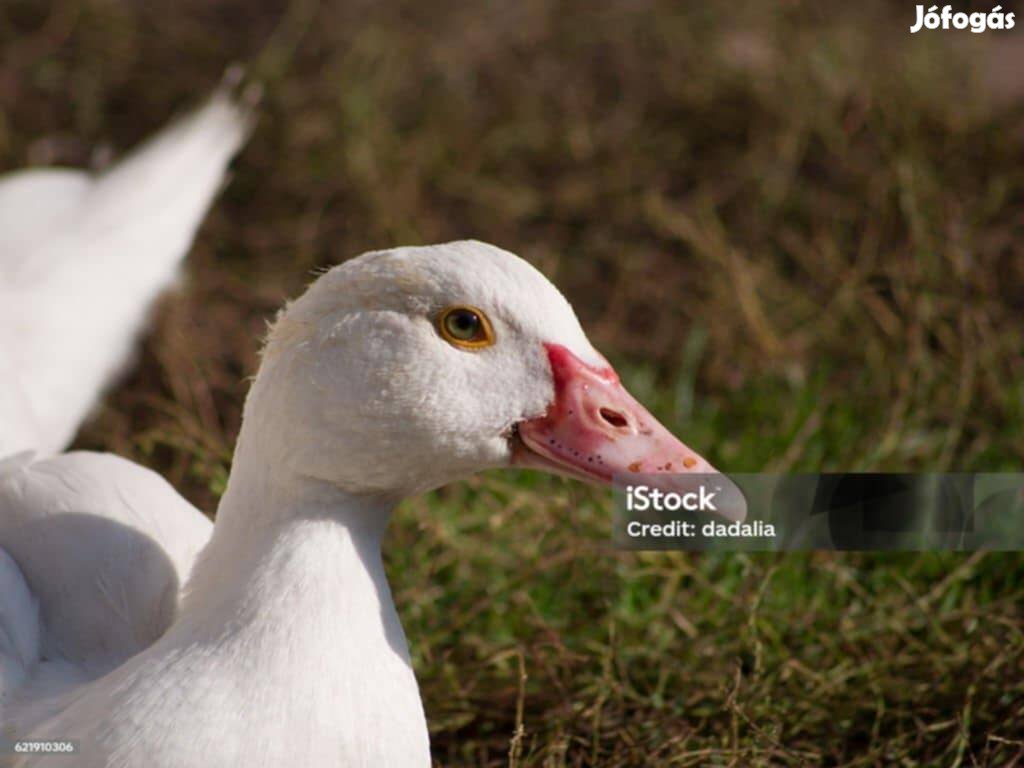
(95,548)
(285,647)
(82,257)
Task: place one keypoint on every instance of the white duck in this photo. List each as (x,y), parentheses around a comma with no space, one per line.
(82,257)
(396,372)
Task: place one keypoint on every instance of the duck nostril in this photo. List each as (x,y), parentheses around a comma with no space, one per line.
(615,418)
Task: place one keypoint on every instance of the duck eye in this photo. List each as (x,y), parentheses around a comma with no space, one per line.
(466,327)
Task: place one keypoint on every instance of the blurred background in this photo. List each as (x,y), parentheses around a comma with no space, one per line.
(794,227)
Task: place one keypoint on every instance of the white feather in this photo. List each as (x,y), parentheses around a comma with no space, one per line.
(102,548)
(82,257)
(19,629)
(286,648)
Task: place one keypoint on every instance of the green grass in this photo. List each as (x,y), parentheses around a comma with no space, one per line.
(795,229)
(677,659)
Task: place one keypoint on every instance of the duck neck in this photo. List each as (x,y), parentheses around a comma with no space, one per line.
(291,599)
(282,541)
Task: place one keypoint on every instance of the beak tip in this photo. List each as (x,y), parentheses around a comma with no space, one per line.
(732,503)
(736,514)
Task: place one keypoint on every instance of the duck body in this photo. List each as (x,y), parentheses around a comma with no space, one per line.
(285,645)
(305,664)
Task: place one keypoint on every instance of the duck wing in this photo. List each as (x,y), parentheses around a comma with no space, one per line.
(82,258)
(93,552)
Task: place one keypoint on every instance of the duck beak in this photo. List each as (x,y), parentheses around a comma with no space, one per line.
(596,431)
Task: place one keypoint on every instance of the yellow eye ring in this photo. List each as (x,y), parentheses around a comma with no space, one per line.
(466,327)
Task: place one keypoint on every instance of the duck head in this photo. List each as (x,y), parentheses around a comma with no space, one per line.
(402,370)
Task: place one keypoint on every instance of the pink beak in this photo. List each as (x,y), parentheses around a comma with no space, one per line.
(596,431)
